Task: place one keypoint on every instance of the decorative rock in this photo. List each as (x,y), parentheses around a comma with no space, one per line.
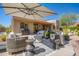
(28,53)
(29,47)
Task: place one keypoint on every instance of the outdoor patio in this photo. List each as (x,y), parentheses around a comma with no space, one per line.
(28,22)
(67,50)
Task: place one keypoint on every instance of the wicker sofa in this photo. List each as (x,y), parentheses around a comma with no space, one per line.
(15,45)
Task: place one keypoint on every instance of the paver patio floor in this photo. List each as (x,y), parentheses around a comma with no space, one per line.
(66,51)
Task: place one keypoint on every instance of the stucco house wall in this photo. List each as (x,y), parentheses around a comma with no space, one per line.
(16,24)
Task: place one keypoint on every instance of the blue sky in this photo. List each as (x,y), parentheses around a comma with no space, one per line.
(59,8)
(62,8)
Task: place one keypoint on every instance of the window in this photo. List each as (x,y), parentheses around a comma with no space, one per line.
(35,27)
(24,28)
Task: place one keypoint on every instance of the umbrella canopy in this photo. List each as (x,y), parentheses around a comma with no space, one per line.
(26,10)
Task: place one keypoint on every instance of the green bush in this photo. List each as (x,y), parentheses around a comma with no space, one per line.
(3,37)
(77,32)
(8,30)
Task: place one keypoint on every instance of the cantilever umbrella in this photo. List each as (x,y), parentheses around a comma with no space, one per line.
(26,10)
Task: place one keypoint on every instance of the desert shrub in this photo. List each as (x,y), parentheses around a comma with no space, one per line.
(8,30)
(65,30)
(77,32)
(3,37)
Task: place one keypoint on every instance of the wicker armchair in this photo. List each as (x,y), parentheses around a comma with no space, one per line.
(15,45)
